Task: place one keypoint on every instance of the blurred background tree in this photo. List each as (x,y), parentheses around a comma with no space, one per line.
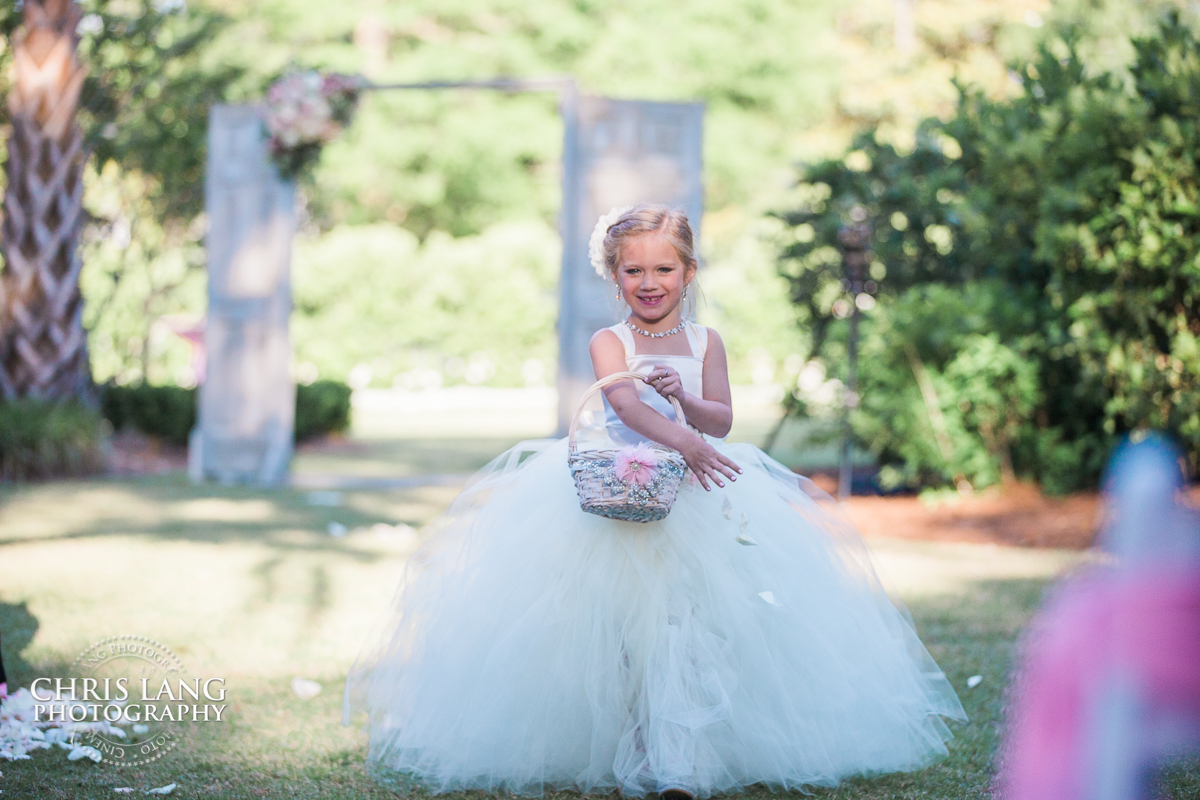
(43,347)
(1036,260)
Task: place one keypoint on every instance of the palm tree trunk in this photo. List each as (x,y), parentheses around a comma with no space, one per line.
(43,347)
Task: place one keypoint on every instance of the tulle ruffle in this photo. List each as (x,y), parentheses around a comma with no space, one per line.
(534,646)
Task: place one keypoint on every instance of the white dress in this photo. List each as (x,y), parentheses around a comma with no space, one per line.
(534,646)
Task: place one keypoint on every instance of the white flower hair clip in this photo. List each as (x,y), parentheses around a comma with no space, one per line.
(596,243)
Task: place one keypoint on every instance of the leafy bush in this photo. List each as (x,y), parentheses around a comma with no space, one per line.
(1038,258)
(49,440)
(944,388)
(322,407)
(375,295)
(169,412)
(166,412)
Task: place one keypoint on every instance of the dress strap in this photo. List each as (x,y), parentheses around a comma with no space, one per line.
(626,336)
(697,339)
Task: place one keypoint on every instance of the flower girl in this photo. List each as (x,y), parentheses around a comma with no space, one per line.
(743,638)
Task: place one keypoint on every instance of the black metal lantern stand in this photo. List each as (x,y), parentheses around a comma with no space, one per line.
(855,240)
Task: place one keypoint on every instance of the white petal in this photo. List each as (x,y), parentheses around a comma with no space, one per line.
(746,540)
(170,787)
(123,789)
(770,598)
(744,522)
(304,688)
(140,728)
(727,509)
(84,751)
(974,681)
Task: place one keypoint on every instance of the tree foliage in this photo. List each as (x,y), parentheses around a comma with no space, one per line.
(1038,257)
(145,104)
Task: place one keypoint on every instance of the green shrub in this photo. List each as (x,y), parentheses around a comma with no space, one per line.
(945,391)
(166,412)
(1059,231)
(322,407)
(377,295)
(169,412)
(49,440)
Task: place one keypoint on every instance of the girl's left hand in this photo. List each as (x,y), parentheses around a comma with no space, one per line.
(666,382)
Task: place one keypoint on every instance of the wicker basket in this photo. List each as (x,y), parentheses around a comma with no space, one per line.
(602,492)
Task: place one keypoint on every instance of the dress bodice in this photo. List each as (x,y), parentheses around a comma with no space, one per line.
(690,368)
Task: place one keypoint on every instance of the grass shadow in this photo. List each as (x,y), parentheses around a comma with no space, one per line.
(17,628)
(171,509)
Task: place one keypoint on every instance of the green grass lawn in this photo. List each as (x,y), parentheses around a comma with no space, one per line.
(247,584)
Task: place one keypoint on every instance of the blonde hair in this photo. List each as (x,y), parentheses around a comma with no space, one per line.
(649,218)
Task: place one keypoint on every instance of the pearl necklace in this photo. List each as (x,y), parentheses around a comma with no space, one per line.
(671,332)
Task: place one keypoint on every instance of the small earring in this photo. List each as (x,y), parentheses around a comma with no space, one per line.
(619,294)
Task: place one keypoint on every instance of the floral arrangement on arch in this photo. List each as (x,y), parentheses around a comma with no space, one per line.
(306,111)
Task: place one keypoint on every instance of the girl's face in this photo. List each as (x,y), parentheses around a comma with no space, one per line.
(651,276)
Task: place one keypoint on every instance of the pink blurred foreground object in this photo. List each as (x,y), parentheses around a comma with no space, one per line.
(1108,685)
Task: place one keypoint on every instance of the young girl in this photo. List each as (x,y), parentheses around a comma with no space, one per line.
(744,639)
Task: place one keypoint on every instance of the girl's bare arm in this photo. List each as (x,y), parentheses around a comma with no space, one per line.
(712,413)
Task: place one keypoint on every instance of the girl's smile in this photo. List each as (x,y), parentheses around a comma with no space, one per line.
(650,299)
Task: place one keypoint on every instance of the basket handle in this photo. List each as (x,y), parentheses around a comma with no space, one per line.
(606,381)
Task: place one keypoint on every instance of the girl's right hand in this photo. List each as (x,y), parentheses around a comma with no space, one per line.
(705,462)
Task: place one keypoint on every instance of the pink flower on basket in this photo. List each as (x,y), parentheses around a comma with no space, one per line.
(636,463)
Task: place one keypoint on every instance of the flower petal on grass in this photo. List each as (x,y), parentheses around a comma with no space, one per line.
(304,688)
(974,681)
(84,751)
(170,787)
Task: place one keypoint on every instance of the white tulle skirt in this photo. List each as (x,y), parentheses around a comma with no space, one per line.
(534,646)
